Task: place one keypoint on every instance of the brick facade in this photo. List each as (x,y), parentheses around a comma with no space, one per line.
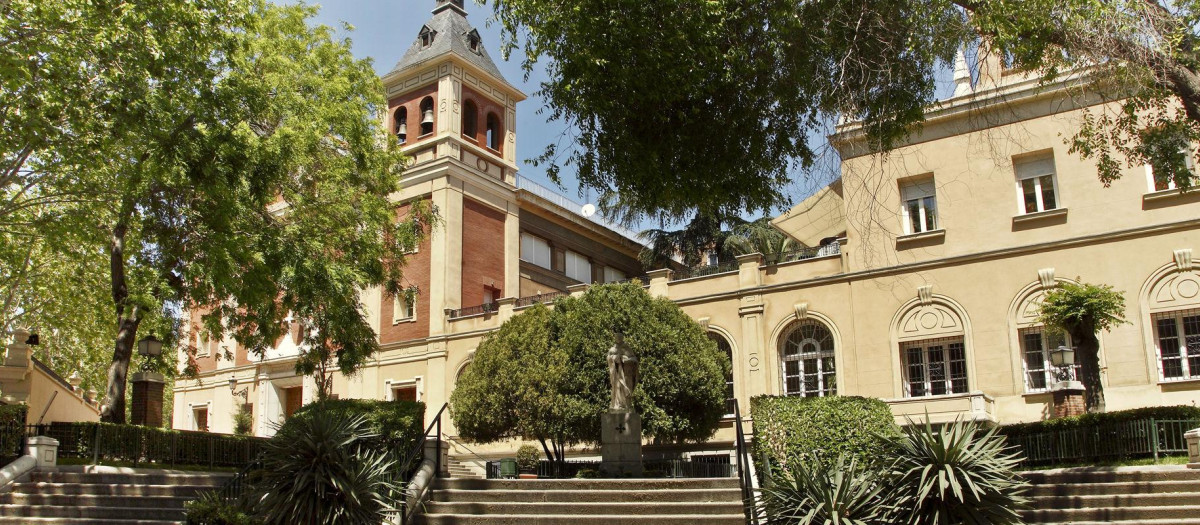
(482,252)
(416,273)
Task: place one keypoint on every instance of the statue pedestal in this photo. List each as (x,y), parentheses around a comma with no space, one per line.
(621,443)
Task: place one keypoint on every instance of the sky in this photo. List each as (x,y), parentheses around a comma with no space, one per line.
(384,29)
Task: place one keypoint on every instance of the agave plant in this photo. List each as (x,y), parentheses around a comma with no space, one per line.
(325,469)
(960,473)
(839,494)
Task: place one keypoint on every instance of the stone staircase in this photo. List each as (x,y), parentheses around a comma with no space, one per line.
(77,495)
(583,502)
(1165,494)
(465,467)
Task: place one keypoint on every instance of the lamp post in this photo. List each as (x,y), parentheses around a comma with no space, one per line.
(1068,393)
(148,385)
(150,346)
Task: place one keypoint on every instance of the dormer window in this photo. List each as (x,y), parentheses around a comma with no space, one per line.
(427,35)
(400,123)
(473,40)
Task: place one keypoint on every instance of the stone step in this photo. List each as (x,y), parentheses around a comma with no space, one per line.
(586,484)
(585,509)
(575,519)
(1116,500)
(212,480)
(588,496)
(1185,521)
(186,491)
(1124,487)
(1112,475)
(1167,512)
(15,498)
(110,513)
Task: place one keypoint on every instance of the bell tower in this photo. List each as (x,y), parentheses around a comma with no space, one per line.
(455,116)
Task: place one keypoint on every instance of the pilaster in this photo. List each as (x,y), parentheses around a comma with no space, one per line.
(660,281)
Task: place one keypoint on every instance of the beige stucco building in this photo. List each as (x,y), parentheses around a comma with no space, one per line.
(920,286)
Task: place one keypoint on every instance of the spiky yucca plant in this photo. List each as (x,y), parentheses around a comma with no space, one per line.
(839,494)
(324,469)
(960,473)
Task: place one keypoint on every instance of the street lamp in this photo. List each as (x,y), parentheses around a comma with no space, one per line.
(150,346)
(232,384)
(1062,356)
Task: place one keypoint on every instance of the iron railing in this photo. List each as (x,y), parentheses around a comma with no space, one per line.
(408,466)
(547,297)
(745,482)
(139,445)
(801,254)
(705,270)
(485,308)
(1143,438)
(667,468)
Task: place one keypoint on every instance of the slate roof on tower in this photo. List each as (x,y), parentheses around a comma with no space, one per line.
(451,33)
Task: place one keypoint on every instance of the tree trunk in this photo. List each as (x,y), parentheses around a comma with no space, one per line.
(1087,354)
(127,325)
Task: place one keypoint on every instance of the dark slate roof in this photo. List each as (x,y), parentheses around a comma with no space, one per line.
(451,29)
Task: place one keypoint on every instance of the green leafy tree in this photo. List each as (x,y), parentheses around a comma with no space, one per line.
(543,376)
(709,105)
(1082,310)
(705,234)
(227,156)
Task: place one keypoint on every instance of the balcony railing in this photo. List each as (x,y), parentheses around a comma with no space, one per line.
(802,254)
(486,308)
(547,297)
(704,270)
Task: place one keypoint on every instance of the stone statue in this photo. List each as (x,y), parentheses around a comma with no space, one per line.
(622,374)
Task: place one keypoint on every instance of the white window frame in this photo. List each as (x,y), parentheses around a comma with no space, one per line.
(207,408)
(724,345)
(926,347)
(1045,369)
(1036,168)
(924,192)
(1151,188)
(399,307)
(577,267)
(821,353)
(536,250)
(392,385)
(612,275)
(1189,370)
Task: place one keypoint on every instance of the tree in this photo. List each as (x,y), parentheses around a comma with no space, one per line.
(543,375)
(228,157)
(706,235)
(681,106)
(1082,311)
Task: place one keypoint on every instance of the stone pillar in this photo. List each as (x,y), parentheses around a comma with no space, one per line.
(506,308)
(1068,399)
(147,407)
(1193,443)
(621,443)
(15,369)
(748,274)
(577,290)
(43,449)
(660,281)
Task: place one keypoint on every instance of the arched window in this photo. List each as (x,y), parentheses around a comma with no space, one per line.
(806,351)
(727,349)
(493,131)
(470,119)
(400,123)
(426,116)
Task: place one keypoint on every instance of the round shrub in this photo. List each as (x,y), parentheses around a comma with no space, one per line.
(527,458)
(817,430)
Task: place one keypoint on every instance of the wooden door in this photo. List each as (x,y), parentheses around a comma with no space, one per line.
(293,398)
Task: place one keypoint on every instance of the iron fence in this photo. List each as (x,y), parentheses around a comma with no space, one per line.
(666,468)
(1143,438)
(146,445)
(475,310)
(801,254)
(705,270)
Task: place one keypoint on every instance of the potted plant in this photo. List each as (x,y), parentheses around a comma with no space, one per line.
(527,461)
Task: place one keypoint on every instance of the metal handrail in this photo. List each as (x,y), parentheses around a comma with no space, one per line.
(417,452)
(743,469)
(484,308)
(458,443)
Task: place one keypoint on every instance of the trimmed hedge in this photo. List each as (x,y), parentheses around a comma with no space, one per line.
(13,414)
(819,429)
(400,423)
(1103,418)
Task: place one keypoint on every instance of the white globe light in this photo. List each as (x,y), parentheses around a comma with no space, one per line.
(588,210)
